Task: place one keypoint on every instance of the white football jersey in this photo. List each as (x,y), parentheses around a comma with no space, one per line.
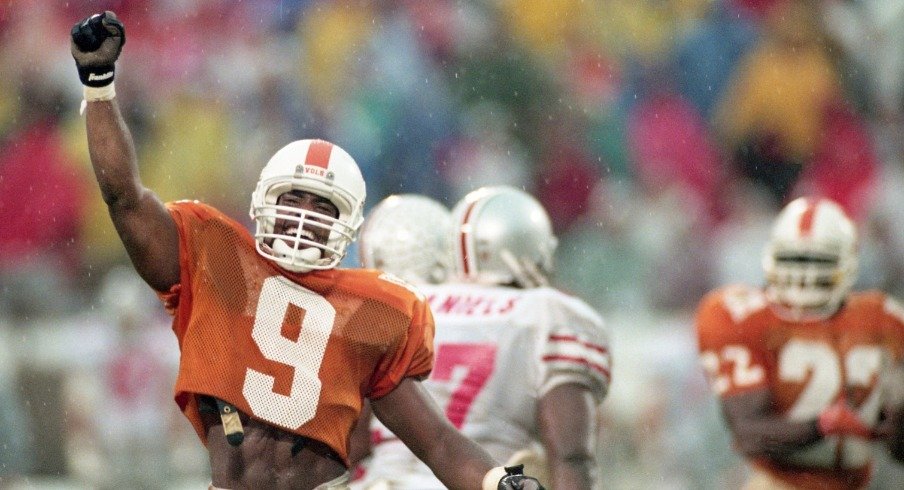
(498,351)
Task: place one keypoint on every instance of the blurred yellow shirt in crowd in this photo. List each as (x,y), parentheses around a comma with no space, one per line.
(334,38)
(783,86)
(646,28)
(188,155)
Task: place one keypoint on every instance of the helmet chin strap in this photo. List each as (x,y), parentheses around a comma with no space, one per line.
(526,274)
(286,251)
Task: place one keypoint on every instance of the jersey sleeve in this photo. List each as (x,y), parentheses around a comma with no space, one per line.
(574,348)
(186,214)
(730,355)
(414,359)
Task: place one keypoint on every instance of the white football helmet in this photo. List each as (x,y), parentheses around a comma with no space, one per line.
(321,168)
(502,235)
(810,260)
(408,235)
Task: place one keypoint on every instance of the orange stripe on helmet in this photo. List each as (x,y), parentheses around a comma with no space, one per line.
(806,219)
(319,154)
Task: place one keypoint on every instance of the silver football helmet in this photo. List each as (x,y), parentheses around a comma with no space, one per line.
(321,168)
(408,235)
(502,235)
(810,260)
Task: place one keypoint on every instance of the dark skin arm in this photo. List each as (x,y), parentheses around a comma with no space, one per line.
(144,225)
(359,440)
(567,419)
(410,413)
(759,432)
(891,428)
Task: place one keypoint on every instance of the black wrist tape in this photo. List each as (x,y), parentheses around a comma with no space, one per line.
(96,76)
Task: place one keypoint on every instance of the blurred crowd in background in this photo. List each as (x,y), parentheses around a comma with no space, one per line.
(662,136)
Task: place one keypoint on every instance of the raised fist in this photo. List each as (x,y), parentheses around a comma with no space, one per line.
(96,44)
(516,480)
(840,419)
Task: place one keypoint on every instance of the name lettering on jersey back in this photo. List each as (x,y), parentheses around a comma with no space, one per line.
(471,305)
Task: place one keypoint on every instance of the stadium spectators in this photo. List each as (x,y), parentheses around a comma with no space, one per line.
(461,94)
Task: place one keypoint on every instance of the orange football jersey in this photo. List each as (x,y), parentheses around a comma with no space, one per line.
(298,351)
(806,366)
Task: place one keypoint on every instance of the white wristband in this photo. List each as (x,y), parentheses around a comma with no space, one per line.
(107,92)
(491,479)
(97,94)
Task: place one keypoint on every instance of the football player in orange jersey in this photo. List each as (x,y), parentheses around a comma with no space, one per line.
(797,364)
(278,347)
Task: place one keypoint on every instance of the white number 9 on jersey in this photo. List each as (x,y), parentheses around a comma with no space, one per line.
(304,354)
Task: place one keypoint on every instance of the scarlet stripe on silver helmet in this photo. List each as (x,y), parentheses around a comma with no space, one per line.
(464,231)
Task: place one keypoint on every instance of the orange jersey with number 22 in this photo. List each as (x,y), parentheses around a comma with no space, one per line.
(805,366)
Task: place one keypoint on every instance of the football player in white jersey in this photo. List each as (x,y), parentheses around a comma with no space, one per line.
(521,368)
(406,235)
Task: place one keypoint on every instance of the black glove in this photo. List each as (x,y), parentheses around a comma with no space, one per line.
(96,44)
(515,480)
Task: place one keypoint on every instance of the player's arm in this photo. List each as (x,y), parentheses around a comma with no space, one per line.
(759,431)
(146,228)
(894,438)
(575,365)
(567,420)
(410,413)
(891,429)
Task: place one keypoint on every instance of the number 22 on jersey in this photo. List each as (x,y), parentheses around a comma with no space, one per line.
(825,372)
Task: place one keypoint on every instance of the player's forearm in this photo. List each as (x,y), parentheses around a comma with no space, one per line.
(892,431)
(410,413)
(577,470)
(457,461)
(567,415)
(774,437)
(113,155)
